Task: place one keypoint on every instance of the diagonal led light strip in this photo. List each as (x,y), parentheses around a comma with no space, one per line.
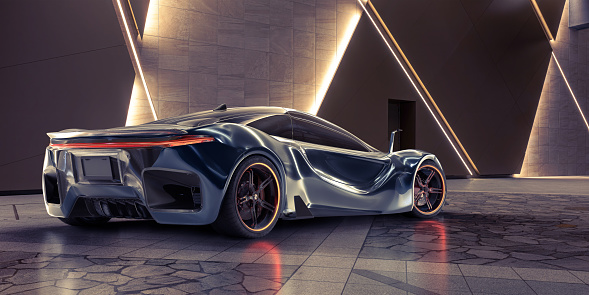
(417,88)
(570,90)
(542,20)
(137,60)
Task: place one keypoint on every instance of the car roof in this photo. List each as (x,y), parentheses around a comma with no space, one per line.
(212,116)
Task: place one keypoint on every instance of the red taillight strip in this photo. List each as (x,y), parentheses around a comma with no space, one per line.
(183,140)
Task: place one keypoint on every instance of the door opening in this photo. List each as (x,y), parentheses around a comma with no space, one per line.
(402,116)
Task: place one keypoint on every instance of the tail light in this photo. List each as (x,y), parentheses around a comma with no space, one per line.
(181,140)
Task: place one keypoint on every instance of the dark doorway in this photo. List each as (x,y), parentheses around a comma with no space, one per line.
(402,116)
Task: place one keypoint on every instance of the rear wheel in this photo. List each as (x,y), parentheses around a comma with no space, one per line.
(84,221)
(429,190)
(252,201)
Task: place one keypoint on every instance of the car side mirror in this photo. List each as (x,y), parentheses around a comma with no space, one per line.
(392,142)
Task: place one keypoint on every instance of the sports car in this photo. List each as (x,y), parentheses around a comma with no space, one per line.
(238,169)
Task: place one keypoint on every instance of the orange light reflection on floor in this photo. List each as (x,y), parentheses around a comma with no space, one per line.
(436,228)
(272,254)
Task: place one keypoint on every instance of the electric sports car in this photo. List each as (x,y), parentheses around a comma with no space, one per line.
(239,169)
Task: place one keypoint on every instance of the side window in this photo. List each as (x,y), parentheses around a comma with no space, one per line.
(312,132)
(277,125)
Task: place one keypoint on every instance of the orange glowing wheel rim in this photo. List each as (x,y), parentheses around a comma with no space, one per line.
(257,197)
(429,190)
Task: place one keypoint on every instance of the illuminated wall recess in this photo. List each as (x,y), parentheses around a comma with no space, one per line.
(557,135)
(419,89)
(549,36)
(131,42)
(335,62)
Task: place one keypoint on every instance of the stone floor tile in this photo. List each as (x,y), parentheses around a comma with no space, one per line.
(75,284)
(582,275)
(484,271)
(322,274)
(108,251)
(267,271)
(186,265)
(217,267)
(63,262)
(358,276)
(29,265)
(246,257)
(141,271)
(437,282)
(295,249)
(110,278)
(71,249)
(255,284)
(189,275)
(433,268)
(15,255)
(192,255)
(547,275)
(381,264)
(133,243)
(52,290)
(164,291)
(353,289)
(337,251)
(150,253)
(287,259)
(384,253)
(27,276)
(175,245)
(7,272)
(297,287)
(26,287)
(552,288)
(330,261)
(498,286)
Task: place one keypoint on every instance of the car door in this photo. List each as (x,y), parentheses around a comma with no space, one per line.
(336,155)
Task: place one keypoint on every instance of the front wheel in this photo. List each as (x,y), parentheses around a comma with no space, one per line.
(429,190)
(252,201)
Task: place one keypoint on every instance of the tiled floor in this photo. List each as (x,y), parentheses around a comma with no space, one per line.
(487,241)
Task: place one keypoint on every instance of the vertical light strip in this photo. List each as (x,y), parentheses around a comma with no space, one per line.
(417,88)
(542,20)
(320,95)
(137,59)
(570,90)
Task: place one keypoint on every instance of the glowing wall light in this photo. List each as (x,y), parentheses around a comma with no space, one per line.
(417,88)
(570,90)
(140,70)
(335,62)
(542,20)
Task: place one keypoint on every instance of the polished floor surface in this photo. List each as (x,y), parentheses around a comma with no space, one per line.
(495,236)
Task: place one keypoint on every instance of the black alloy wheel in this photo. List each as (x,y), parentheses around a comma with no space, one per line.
(429,190)
(253,200)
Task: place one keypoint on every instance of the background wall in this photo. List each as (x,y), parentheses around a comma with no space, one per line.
(198,54)
(559,141)
(63,64)
(67,64)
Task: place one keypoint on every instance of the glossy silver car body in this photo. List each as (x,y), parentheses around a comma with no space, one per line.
(186,183)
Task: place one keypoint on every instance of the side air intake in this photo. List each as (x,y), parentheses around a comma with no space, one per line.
(172,189)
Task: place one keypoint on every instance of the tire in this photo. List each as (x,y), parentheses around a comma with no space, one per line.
(254,185)
(84,221)
(429,190)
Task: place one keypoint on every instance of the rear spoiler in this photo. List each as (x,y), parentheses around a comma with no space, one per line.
(143,131)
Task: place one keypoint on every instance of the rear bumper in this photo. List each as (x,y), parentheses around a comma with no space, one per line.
(147,183)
